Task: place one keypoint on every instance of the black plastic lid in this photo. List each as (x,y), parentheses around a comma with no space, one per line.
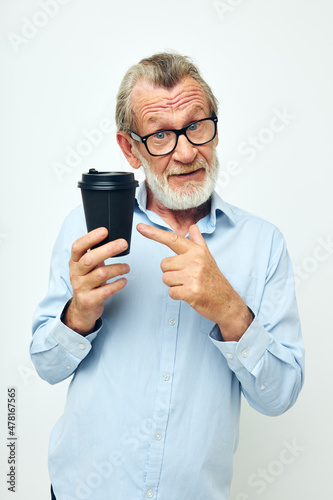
(107,180)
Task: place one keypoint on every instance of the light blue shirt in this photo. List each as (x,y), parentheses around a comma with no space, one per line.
(153,406)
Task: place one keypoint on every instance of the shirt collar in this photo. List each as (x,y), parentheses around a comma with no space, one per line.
(207,224)
(219,205)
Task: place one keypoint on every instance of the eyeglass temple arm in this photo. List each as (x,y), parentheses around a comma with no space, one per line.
(136,137)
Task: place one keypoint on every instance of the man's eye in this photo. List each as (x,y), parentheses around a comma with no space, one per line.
(160,135)
(193,126)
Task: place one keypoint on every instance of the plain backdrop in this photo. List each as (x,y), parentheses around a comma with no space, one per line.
(62,62)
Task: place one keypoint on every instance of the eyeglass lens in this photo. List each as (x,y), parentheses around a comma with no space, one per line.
(197,133)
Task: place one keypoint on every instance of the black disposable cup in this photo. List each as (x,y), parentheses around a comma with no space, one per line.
(108,201)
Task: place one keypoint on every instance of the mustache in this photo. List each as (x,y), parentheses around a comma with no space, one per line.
(186,168)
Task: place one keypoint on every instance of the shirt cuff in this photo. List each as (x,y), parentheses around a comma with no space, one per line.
(248,351)
(73,342)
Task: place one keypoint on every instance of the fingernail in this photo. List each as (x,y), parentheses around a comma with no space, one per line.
(123,244)
(142,227)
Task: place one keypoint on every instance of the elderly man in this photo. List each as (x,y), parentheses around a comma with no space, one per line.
(207,311)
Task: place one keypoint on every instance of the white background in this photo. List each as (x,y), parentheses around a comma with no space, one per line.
(60,79)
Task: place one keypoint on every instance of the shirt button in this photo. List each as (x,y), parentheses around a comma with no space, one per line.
(150,494)
(172,322)
(262,387)
(158,436)
(166,377)
(82,346)
(68,367)
(229,355)
(245,353)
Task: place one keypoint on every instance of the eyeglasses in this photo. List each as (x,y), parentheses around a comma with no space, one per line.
(164,142)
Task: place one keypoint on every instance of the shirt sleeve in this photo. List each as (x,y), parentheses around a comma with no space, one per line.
(56,350)
(269,358)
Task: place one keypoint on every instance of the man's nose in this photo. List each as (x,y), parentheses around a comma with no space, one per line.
(185,152)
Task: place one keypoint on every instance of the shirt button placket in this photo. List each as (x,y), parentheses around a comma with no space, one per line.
(162,406)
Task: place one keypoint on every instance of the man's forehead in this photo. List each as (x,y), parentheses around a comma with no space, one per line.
(148,100)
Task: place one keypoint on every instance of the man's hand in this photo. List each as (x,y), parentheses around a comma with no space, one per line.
(193,276)
(88,275)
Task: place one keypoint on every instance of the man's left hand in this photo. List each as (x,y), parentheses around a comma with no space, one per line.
(193,276)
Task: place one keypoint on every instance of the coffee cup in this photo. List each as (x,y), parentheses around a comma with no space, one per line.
(108,201)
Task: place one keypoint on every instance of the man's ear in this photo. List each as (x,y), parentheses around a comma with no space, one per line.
(125,143)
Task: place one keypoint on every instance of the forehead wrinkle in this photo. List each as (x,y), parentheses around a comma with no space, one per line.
(150,100)
(158,117)
(166,104)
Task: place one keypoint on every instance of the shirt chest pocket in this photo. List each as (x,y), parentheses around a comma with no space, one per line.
(245,286)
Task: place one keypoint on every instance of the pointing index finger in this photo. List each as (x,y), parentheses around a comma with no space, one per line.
(174,241)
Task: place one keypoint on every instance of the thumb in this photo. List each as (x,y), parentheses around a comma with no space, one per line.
(196,236)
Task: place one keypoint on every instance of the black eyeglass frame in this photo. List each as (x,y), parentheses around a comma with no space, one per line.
(181,131)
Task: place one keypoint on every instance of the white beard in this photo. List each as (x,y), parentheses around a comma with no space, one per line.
(192,194)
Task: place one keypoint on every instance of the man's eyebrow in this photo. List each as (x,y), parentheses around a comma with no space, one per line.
(155,119)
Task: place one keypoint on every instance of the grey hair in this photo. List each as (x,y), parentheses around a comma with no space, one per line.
(165,69)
